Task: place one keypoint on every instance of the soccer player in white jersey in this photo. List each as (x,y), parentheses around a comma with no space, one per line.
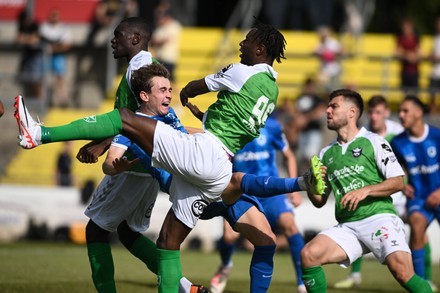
(362,172)
(247,94)
(125,198)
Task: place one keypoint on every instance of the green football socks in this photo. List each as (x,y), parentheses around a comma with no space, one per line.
(356,265)
(101,263)
(314,279)
(417,285)
(428,268)
(89,128)
(146,250)
(170,271)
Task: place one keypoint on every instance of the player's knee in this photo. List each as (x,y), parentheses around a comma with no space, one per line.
(126,235)
(308,257)
(402,274)
(400,265)
(269,238)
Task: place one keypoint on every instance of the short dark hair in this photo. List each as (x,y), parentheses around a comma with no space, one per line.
(272,39)
(141,78)
(351,95)
(377,100)
(139,25)
(416,101)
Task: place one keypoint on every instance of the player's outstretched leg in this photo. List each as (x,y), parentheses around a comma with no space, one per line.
(33,134)
(29,129)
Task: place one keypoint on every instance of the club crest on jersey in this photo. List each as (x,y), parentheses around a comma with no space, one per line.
(432,152)
(386,148)
(90,119)
(221,73)
(357,152)
(198,206)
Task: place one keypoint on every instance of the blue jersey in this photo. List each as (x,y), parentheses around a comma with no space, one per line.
(259,156)
(162,176)
(420,158)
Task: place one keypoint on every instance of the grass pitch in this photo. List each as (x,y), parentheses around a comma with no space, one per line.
(59,267)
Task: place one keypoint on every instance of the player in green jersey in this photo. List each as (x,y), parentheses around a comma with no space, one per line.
(378,122)
(378,111)
(201,162)
(362,172)
(130,41)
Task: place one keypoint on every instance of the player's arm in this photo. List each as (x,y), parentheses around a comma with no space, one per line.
(292,172)
(320,200)
(192,89)
(195,111)
(385,188)
(433,200)
(115,162)
(90,152)
(391,170)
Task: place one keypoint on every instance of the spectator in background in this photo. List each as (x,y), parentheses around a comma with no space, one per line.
(299,14)
(105,12)
(434,80)
(166,38)
(31,68)
(64,175)
(408,53)
(291,120)
(311,107)
(329,52)
(58,37)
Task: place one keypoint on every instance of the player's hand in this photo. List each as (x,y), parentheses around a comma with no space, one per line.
(351,200)
(433,200)
(184,97)
(195,110)
(90,152)
(124,164)
(409,191)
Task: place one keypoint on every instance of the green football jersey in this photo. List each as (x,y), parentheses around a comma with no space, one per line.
(366,160)
(247,96)
(124,95)
(125,98)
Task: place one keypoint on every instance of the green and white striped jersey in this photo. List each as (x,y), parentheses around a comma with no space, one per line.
(366,160)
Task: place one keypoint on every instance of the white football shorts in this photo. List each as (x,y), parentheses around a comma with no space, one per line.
(380,234)
(200,166)
(125,196)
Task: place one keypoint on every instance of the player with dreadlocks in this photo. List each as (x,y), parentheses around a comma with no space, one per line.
(201,163)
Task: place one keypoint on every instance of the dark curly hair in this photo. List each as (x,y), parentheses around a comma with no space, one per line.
(272,39)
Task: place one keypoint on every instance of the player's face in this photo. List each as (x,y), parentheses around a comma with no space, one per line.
(377,116)
(121,41)
(248,48)
(158,101)
(337,113)
(409,114)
